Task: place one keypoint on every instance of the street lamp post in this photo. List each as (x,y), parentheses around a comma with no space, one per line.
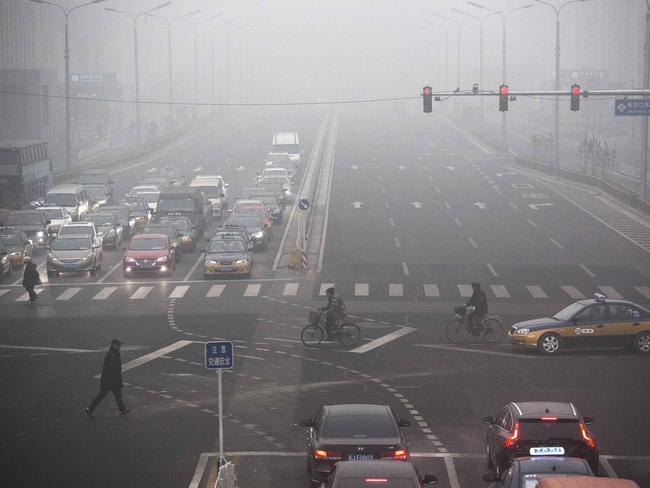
(643,192)
(135,18)
(66,56)
(196,55)
(556,116)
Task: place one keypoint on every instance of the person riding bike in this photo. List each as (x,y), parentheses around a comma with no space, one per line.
(478,300)
(335,309)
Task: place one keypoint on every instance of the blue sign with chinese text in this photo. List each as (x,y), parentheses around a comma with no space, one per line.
(627,106)
(218,355)
(303,204)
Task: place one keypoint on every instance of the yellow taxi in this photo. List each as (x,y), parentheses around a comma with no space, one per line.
(592,323)
(17,244)
(229,256)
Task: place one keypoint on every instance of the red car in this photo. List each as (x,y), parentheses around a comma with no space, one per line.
(152,253)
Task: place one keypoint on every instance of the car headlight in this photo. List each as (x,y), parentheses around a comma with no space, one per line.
(241,261)
(186,238)
(523,331)
(129,259)
(258,235)
(87,258)
(40,234)
(16,253)
(162,259)
(52,257)
(210,261)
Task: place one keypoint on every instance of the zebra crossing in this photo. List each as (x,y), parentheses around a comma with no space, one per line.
(307,290)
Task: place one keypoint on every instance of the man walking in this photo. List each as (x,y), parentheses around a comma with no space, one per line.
(31,278)
(111,379)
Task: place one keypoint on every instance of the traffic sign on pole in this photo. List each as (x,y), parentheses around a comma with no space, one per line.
(628,106)
(218,355)
(303,204)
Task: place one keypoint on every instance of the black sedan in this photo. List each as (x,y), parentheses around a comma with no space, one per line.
(386,474)
(527,471)
(353,433)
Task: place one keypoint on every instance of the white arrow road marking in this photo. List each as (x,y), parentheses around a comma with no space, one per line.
(241,168)
(197,169)
(451,168)
(537,206)
(154,355)
(356,204)
(402,331)
(401,167)
(506,173)
(479,351)
(534,195)
(152,170)
(354,167)
(480,205)
(416,204)
(42,348)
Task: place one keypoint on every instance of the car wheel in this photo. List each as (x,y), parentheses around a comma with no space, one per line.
(549,343)
(642,343)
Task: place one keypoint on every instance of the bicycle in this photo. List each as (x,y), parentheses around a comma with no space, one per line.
(346,331)
(489,329)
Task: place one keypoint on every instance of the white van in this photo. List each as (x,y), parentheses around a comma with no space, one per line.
(287,142)
(73,198)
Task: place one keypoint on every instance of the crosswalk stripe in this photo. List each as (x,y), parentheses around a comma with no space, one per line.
(573,292)
(68,294)
(141,292)
(323,287)
(290,289)
(2,292)
(431,291)
(500,291)
(25,296)
(395,290)
(610,292)
(105,293)
(215,291)
(644,290)
(361,289)
(536,291)
(179,291)
(465,290)
(252,290)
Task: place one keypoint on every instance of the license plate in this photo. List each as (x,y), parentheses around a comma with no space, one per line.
(69,265)
(360,457)
(547,451)
(226,269)
(147,265)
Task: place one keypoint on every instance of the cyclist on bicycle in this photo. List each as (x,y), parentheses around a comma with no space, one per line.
(478,300)
(335,309)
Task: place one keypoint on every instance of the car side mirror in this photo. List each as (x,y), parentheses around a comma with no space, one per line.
(306,423)
(488,421)
(404,423)
(429,479)
(588,420)
(490,477)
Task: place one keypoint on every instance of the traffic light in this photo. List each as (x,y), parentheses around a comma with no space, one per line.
(426,98)
(503,98)
(575,97)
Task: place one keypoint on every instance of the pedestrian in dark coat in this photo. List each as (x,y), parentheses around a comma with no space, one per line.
(111,379)
(31,278)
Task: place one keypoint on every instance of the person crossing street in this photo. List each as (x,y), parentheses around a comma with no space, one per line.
(111,380)
(31,278)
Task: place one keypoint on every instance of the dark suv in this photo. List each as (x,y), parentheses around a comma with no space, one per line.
(539,429)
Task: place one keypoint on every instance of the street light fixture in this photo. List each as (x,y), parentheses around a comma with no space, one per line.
(134,18)
(66,56)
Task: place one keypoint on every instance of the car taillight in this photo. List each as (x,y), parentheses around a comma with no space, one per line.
(320,454)
(512,440)
(586,437)
(549,419)
(376,480)
(398,455)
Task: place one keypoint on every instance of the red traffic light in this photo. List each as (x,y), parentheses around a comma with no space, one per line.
(427,91)
(575,90)
(503,90)
(575,97)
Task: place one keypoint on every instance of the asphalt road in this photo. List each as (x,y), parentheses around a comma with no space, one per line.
(417,211)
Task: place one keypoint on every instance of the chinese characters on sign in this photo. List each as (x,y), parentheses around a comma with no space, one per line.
(626,106)
(219,355)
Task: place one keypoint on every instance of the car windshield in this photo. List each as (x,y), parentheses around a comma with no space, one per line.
(172,171)
(286,148)
(210,191)
(176,205)
(9,240)
(99,220)
(71,244)
(245,220)
(545,429)
(60,200)
(149,197)
(226,246)
(52,213)
(32,218)
(179,224)
(152,244)
(96,191)
(358,427)
(568,312)
(168,230)
(77,229)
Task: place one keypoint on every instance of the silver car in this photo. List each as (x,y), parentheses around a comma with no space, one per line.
(108,227)
(75,253)
(58,217)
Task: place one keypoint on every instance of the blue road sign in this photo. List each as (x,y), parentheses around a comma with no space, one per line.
(627,106)
(303,204)
(219,355)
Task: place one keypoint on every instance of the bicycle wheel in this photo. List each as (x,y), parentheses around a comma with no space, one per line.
(456,331)
(349,334)
(491,329)
(311,335)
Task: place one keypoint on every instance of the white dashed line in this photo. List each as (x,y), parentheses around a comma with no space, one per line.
(587,270)
(492,270)
(473,243)
(405,268)
(556,243)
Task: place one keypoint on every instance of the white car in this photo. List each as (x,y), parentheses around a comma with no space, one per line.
(281,183)
(216,191)
(58,217)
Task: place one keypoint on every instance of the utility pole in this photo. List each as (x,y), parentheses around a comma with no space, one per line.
(643,192)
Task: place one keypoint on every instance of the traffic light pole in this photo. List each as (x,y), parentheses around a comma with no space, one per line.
(643,191)
(556,115)
(504,129)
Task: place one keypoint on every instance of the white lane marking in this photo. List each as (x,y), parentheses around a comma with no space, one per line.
(391,221)
(458,222)
(252,290)
(610,292)
(608,468)
(447,205)
(556,243)
(25,296)
(473,243)
(197,169)
(387,205)
(573,292)
(513,205)
(290,289)
(105,293)
(37,348)
(200,469)
(151,170)
(68,294)
(2,292)
(141,292)
(405,268)
(437,189)
(179,291)
(110,271)
(361,289)
(496,189)
(465,290)
(431,291)
(531,222)
(189,273)
(323,287)
(451,473)
(397,243)
(480,351)
(492,270)
(644,290)
(402,331)
(536,291)
(500,291)
(164,351)
(588,271)
(215,291)
(395,290)
(250,357)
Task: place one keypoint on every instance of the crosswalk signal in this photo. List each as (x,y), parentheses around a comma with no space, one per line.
(503,98)
(575,97)
(427,93)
